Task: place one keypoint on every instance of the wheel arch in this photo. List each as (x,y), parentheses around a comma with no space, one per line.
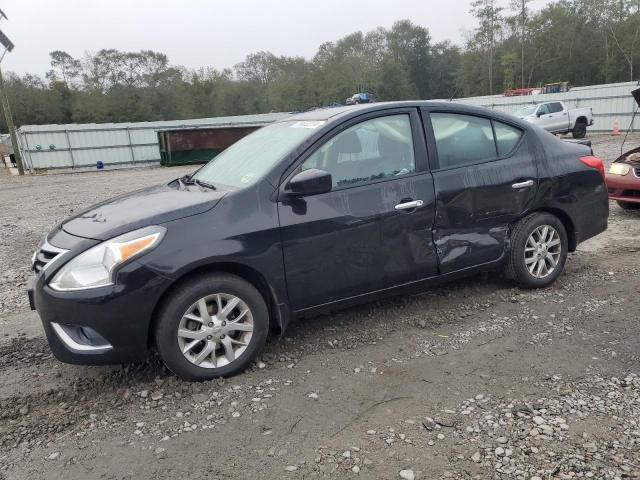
(568,224)
(278,318)
(581,119)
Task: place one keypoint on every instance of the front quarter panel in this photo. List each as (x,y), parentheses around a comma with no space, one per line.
(242,230)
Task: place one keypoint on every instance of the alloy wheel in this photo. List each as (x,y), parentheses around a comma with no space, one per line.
(215,331)
(542,251)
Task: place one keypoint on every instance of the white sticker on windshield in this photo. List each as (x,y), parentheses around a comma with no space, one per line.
(308,124)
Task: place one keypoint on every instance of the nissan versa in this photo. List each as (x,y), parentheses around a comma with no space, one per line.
(325,209)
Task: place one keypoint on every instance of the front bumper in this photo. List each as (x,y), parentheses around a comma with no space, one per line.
(624,188)
(106,325)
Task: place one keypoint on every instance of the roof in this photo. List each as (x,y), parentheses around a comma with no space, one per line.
(341,113)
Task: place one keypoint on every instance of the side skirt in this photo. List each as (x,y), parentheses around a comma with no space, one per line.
(409,287)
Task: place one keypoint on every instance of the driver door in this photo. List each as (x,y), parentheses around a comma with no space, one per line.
(545,117)
(373,230)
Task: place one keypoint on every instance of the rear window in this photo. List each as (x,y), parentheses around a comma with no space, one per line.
(467,139)
(462,139)
(507,137)
(555,107)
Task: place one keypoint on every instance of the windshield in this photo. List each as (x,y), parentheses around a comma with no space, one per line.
(247,160)
(526,111)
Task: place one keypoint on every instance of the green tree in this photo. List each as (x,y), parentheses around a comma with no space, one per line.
(409,44)
(581,41)
(489,16)
(64,67)
(521,23)
(445,61)
(510,62)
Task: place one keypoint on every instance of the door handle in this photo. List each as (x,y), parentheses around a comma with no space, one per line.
(519,185)
(409,205)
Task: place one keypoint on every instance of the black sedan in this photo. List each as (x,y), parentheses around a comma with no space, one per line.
(325,209)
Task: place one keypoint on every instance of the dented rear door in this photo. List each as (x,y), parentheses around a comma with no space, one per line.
(476,202)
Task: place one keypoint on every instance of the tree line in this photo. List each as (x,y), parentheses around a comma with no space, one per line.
(581,41)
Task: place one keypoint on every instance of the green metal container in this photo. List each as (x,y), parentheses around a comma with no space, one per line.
(196,146)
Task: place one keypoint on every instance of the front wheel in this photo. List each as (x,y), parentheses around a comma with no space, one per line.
(212,326)
(579,130)
(538,250)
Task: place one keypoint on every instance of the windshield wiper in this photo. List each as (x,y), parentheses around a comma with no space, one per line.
(202,184)
(189,180)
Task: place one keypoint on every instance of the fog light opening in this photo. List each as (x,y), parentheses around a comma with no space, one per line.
(81,339)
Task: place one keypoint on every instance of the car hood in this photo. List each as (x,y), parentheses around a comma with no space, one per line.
(150,206)
(631,157)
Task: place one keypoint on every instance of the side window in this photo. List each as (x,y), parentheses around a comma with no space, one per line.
(507,137)
(543,109)
(555,107)
(372,150)
(462,139)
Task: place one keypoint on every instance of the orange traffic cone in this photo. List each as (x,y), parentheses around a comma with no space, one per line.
(616,128)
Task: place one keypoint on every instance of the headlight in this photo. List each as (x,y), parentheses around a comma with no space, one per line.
(95,267)
(619,169)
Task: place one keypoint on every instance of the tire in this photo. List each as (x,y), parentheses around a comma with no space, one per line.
(628,205)
(181,326)
(579,130)
(523,252)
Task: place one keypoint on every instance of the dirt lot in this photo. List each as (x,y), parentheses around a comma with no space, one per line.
(474,380)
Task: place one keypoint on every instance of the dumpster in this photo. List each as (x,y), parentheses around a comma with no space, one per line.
(197,145)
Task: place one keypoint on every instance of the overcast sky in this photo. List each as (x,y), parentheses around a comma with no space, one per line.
(218,33)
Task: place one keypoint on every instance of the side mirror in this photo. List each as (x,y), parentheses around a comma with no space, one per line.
(539,113)
(309,182)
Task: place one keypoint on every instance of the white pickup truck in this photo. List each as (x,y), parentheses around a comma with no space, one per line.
(556,118)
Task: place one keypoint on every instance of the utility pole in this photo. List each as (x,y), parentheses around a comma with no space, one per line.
(10,125)
(8,46)
(523,20)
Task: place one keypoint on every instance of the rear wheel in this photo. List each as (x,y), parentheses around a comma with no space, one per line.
(538,250)
(212,326)
(628,205)
(579,130)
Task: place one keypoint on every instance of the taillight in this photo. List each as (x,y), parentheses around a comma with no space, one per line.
(593,162)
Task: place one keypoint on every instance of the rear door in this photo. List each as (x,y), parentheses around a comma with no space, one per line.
(485,178)
(374,229)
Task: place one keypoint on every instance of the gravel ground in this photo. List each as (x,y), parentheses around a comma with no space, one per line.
(477,379)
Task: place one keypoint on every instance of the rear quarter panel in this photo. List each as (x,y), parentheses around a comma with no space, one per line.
(566,184)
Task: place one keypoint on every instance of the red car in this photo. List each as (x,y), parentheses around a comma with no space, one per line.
(623,179)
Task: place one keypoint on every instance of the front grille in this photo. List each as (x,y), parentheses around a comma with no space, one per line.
(44,255)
